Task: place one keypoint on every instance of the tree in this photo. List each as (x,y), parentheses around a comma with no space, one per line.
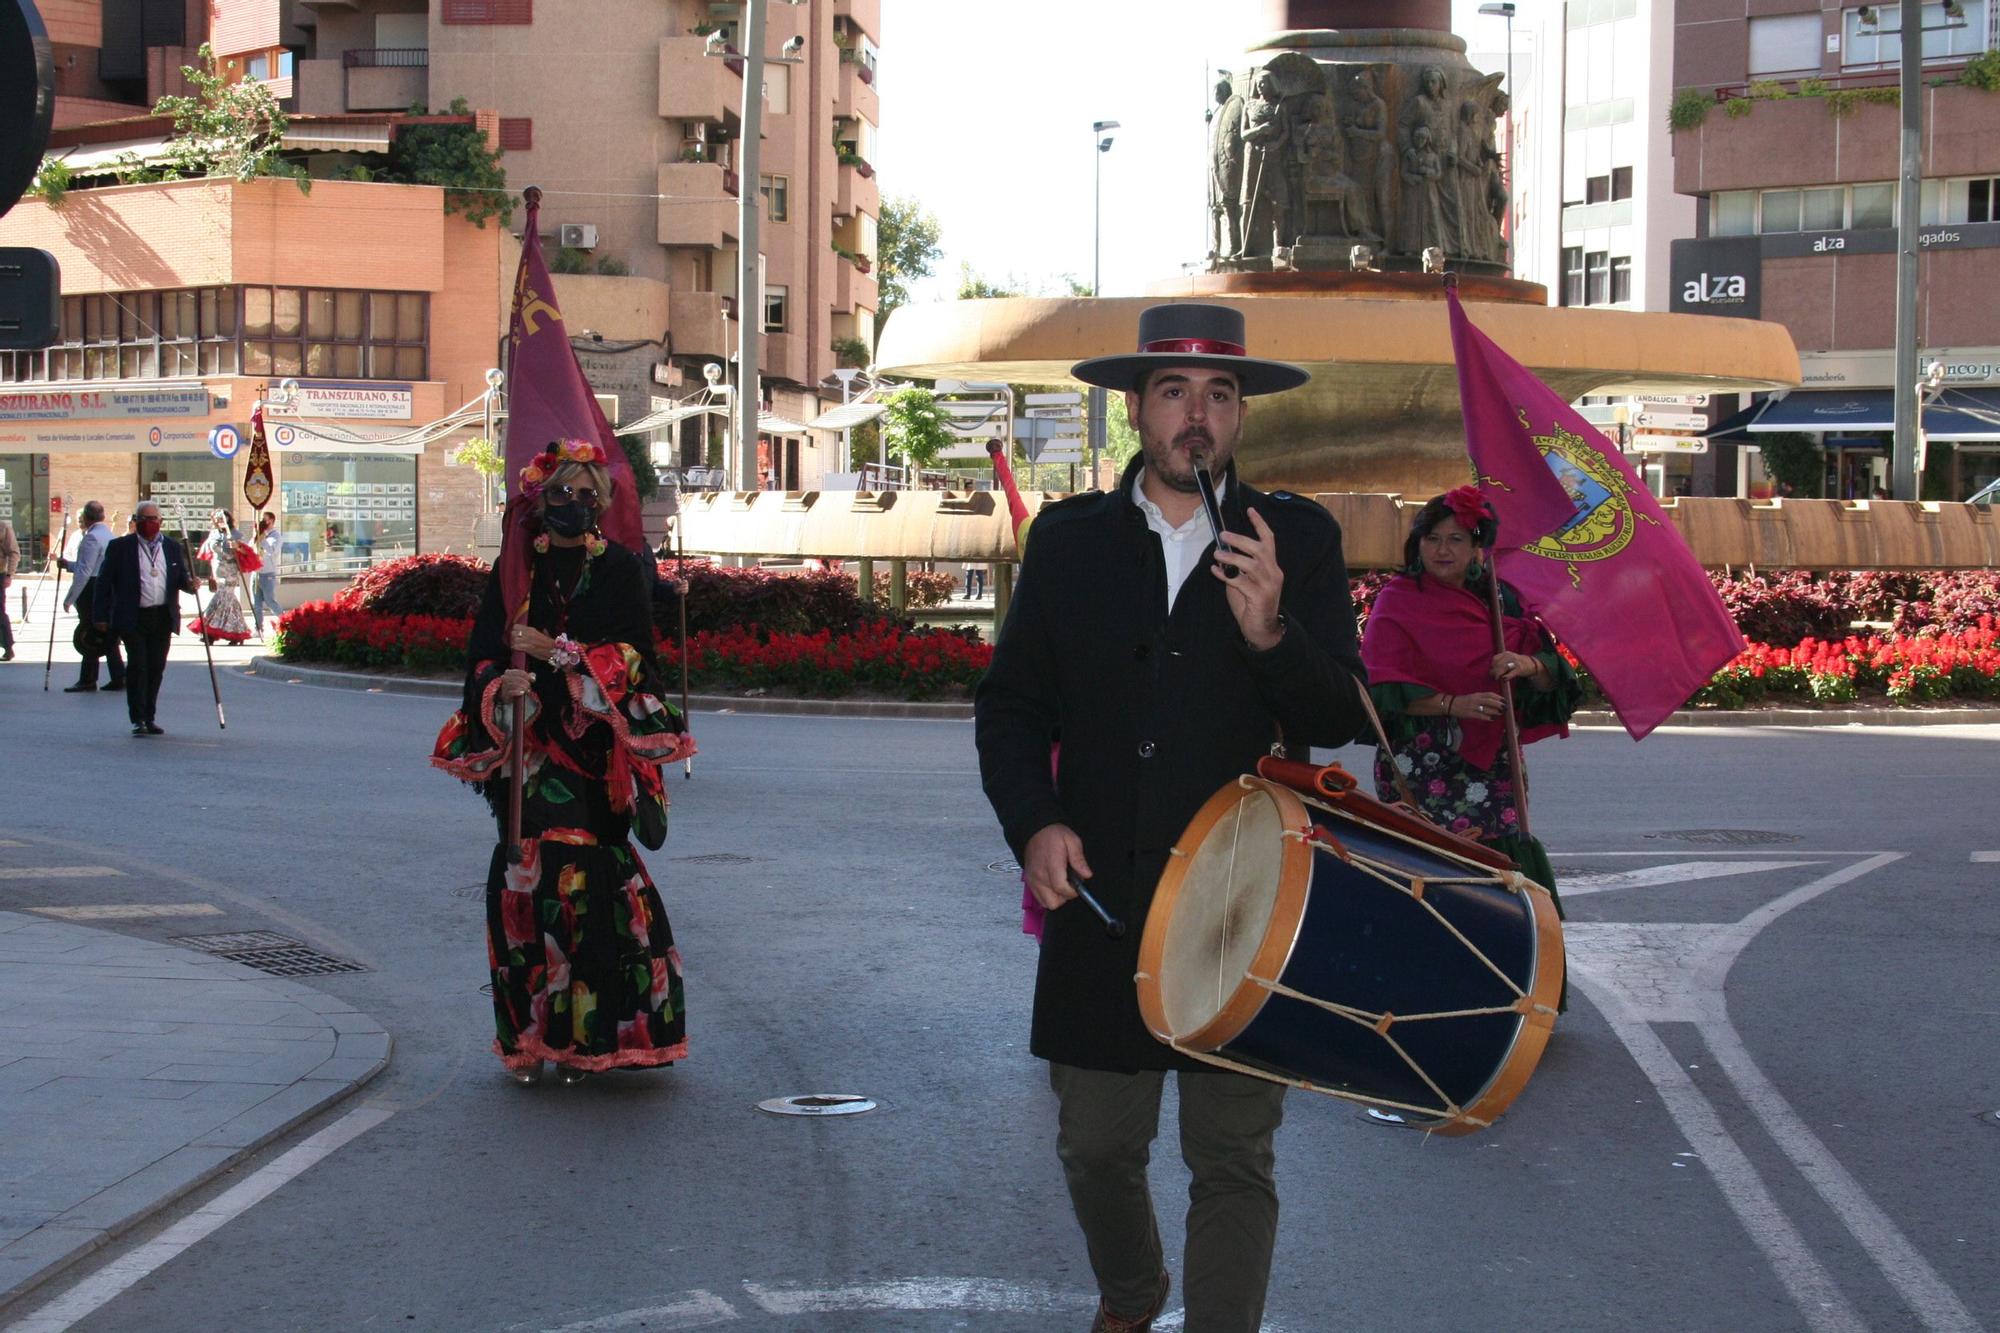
(225,129)
(639,453)
(973,286)
(456,157)
(906,250)
(913,426)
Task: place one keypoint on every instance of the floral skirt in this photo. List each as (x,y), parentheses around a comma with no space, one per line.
(585,972)
(222,616)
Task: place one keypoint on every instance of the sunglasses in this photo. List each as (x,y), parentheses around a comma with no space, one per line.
(581,494)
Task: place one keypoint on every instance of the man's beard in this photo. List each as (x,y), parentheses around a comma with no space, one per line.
(1200,446)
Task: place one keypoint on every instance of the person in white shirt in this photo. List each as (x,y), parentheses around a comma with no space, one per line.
(270,545)
(138,597)
(82,585)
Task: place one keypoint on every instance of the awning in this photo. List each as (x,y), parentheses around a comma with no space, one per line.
(849,415)
(668,416)
(104,159)
(772,424)
(1734,429)
(370,137)
(1970,415)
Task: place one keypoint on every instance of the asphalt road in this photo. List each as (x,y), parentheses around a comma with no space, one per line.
(1771,1106)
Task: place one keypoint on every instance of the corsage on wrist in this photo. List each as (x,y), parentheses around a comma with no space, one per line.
(566,653)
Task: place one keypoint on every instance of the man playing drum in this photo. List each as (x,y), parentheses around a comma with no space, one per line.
(1166,667)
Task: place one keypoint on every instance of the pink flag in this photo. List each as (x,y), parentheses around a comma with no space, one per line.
(1611,576)
(549,399)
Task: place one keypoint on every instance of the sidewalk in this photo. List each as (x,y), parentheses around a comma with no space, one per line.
(132,1072)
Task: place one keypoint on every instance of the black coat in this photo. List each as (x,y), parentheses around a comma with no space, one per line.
(1155,713)
(114,601)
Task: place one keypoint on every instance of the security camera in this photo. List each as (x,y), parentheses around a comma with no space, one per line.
(793,45)
(716,46)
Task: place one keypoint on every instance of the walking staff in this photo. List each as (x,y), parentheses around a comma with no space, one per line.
(680,574)
(28,602)
(49,664)
(200,615)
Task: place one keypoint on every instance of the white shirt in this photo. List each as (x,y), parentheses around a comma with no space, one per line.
(89,555)
(1182,546)
(152,572)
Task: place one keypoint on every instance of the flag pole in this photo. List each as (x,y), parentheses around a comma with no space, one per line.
(55,615)
(1507,692)
(201,616)
(680,574)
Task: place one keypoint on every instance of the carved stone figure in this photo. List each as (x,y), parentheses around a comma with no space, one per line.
(1430,109)
(1327,189)
(1370,162)
(1498,194)
(1225,171)
(1421,223)
(1267,201)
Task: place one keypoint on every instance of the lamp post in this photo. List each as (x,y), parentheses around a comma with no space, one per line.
(1505,9)
(1101,136)
(749,213)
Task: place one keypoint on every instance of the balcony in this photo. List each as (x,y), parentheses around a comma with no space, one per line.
(697,205)
(854,89)
(866,14)
(700,323)
(855,189)
(1797,141)
(385,78)
(853,290)
(694,86)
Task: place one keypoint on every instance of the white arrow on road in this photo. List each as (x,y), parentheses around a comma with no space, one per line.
(1678,873)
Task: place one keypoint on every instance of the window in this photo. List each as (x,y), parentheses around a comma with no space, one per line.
(1572,275)
(1784,44)
(135,335)
(335,334)
(1881,42)
(284,64)
(778,89)
(1621,182)
(1597,190)
(1733,213)
(489,11)
(1823,210)
(517,134)
(1874,206)
(1621,279)
(775,301)
(1781,210)
(1596,278)
(338,511)
(257,67)
(777,197)
(1982,201)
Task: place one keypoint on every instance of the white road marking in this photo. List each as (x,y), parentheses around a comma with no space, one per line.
(1986,856)
(697,1309)
(126,911)
(58,872)
(9,842)
(115,1278)
(994,1295)
(1674,873)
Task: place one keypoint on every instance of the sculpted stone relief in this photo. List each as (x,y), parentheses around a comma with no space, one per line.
(1306,161)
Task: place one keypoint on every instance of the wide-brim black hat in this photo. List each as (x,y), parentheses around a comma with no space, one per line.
(1188,333)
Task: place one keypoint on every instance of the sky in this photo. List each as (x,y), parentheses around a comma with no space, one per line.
(986,122)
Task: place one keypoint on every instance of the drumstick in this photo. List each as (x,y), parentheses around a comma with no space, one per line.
(1113,927)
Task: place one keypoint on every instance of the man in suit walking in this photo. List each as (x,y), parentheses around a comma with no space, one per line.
(81,596)
(138,598)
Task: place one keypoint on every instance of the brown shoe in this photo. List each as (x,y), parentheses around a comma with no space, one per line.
(1107,1322)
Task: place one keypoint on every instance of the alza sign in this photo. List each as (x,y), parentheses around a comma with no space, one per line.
(1716,289)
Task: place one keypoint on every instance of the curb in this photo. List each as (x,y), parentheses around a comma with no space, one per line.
(271,668)
(361,1051)
(275,669)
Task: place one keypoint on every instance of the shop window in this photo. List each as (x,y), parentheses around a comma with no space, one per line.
(343,512)
(1596,278)
(1621,279)
(1573,275)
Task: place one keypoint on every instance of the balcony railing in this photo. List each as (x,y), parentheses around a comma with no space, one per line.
(387,57)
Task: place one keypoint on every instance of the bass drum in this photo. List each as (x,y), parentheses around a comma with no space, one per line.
(1306,933)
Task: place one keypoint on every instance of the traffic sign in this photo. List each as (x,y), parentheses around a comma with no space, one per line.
(1658,421)
(1672,399)
(1058,452)
(1051,399)
(1071,413)
(1668,444)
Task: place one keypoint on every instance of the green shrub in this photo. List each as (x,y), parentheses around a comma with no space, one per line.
(1688,109)
(1982,72)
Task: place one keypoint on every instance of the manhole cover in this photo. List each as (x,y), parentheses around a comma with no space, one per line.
(818,1103)
(269,952)
(715,859)
(1728,837)
(1004,867)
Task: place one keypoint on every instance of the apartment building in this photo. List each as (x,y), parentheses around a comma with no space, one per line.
(1793,163)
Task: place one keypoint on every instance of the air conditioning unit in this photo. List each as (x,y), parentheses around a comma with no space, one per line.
(577,236)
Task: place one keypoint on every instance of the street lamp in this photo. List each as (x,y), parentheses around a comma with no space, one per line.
(1100,133)
(749,214)
(1504,9)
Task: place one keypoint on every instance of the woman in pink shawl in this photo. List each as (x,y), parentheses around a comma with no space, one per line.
(1434,677)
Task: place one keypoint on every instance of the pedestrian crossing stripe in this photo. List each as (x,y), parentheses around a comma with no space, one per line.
(127,911)
(58,872)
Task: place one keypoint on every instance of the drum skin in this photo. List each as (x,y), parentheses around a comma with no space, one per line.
(1337,932)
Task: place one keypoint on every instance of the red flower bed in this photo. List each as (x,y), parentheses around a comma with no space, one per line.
(328,632)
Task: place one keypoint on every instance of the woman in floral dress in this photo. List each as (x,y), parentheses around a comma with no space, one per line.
(222,619)
(1433,675)
(585,972)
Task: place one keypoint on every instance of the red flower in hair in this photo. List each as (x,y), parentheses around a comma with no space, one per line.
(1469,507)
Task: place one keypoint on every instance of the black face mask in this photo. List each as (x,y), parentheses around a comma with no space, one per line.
(569,520)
